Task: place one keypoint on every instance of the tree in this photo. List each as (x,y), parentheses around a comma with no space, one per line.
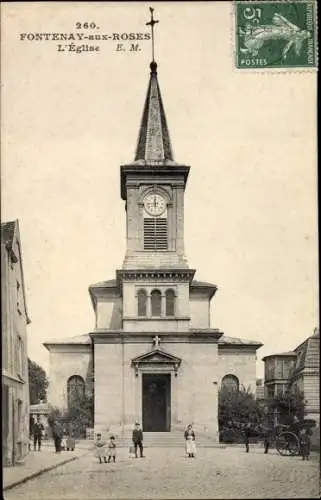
(80,415)
(287,406)
(38,382)
(238,407)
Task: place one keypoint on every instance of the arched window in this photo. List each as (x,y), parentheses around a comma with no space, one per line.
(156,301)
(231,383)
(141,302)
(75,389)
(170,302)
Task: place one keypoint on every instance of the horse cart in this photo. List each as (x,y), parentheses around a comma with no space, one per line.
(285,438)
(288,437)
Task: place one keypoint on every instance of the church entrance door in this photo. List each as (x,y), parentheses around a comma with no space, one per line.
(156,402)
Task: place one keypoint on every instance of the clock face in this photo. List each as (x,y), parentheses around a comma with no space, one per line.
(154,204)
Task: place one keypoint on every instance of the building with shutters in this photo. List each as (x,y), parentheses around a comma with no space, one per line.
(14,315)
(297,370)
(153,356)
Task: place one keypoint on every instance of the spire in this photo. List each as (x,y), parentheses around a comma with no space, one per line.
(153,140)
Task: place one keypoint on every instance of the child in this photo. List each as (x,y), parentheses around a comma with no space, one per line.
(111,449)
(63,445)
(100,447)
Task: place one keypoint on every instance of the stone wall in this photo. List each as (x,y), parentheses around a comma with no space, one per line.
(64,363)
(238,361)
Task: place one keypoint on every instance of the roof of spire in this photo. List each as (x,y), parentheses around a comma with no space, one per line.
(154,144)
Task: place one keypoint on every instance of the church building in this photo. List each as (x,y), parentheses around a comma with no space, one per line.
(152,356)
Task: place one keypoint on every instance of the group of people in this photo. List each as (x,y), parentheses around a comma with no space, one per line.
(106,451)
(303,434)
(61,439)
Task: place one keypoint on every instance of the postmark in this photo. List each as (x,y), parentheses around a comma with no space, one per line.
(280,35)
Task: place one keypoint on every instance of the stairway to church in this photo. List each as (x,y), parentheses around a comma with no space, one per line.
(174,439)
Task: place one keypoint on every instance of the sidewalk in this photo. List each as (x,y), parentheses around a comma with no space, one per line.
(37,463)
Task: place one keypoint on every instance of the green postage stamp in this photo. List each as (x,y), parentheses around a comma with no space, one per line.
(279,34)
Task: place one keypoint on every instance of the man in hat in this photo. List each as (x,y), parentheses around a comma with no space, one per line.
(138,440)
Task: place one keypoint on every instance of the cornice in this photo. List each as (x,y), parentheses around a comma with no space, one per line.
(243,346)
(67,347)
(122,337)
(176,275)
(274,381)
(146,169)
(156,318)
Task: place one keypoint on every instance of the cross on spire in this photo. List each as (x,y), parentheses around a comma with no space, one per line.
(152,23)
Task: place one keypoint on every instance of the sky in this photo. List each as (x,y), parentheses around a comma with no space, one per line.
(69,120)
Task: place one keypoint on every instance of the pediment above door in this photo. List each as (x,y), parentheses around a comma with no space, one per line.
(159,358)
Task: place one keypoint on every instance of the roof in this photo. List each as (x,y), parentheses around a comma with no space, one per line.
(77,340)
(204,285)
(197,283)
(153,139)
(280,355)
(308,353)
(7,233)
(238,341)
(105,284)
(85,338)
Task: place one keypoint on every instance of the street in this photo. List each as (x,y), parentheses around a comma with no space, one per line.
(214,473)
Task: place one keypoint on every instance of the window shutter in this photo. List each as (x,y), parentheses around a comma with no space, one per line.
(155,234)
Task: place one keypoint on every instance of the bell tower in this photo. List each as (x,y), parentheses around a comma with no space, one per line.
(153,187)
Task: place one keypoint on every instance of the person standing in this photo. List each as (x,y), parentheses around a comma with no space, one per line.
(111,449)
(37,431)
(57,434)
(189,436)
(305,444)
(138,440)
(100,449)
(247,433)
(267,439)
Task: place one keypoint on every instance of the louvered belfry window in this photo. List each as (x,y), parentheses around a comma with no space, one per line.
(155,233)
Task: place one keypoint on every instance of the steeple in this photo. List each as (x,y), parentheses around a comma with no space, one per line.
(153,141)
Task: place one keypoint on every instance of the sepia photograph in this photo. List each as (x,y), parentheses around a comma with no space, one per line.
(159,250)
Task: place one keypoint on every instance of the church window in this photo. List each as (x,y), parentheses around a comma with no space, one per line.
(75,389)
(155,233)
(142,302)
(156,302)
(170,302)
(231,383)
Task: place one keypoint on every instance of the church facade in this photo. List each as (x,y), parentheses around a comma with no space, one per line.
(153,356)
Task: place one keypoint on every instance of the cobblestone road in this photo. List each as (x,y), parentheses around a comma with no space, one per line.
(215,473)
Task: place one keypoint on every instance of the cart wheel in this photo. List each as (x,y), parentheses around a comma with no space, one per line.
(287,444)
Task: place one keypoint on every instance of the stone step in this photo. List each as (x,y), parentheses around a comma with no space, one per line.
(164,439)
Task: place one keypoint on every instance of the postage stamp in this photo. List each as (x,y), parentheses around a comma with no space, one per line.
(275,34)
